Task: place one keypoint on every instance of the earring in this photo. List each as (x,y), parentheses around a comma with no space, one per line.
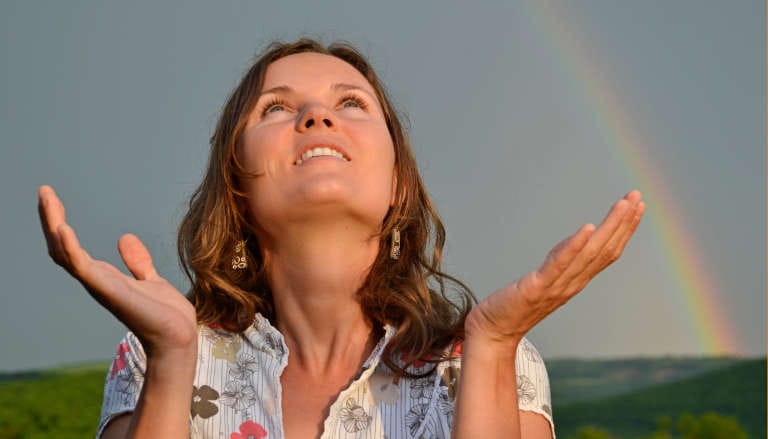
(238,260)
(394,251)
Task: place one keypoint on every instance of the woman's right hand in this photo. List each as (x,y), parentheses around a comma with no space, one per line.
(160,316)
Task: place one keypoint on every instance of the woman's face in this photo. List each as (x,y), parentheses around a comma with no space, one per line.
(318,139)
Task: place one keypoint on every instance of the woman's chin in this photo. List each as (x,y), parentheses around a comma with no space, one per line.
(325,202)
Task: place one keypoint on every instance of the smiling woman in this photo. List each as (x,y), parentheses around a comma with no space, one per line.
(318,306)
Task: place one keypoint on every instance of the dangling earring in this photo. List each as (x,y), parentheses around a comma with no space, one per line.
(394,251)
(238,260)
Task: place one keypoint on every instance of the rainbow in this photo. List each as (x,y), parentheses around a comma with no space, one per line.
(700,293)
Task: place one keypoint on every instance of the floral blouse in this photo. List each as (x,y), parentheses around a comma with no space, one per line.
(237,389)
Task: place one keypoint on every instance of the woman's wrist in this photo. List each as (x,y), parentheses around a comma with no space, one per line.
(167,390)
(487,342)
(172,366)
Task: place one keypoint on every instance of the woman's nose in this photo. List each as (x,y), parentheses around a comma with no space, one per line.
(316,116)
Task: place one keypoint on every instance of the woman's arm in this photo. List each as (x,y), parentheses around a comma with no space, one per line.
(161,317)
(164,403)
(487,404)
(494,406)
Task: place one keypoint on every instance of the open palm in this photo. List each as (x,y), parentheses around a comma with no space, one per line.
(512,311)
(162,318)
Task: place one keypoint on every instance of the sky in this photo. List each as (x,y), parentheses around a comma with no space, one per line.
(528,119)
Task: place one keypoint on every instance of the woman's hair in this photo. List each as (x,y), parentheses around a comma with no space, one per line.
(408,293)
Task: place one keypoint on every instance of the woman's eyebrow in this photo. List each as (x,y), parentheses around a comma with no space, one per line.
(344,87)
(279,89)
(339,86)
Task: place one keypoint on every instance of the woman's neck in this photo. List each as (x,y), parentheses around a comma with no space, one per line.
(315,271)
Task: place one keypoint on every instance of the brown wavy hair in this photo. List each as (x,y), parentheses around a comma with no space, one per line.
(410,293)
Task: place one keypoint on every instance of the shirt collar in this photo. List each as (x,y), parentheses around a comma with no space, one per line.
(268,339)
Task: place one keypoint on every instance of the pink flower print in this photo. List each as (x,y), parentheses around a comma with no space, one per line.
(249,430)
(119,363)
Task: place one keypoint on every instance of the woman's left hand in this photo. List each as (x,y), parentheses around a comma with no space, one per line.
(503,318)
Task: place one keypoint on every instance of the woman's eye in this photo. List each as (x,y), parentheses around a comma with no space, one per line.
(274,108)
(353,102)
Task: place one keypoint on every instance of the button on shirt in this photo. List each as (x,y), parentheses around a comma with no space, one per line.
(237,391)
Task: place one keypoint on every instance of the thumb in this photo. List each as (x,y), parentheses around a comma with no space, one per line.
(136,257)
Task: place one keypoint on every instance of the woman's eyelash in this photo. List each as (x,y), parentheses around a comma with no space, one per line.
(271,103)
(344,99)
(357,100)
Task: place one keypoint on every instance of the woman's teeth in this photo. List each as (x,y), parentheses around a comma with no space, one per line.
(318,152)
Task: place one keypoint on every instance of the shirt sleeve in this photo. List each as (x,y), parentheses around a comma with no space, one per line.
(533,392)
(124,380)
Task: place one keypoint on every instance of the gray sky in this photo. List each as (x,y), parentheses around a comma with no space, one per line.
(113,105)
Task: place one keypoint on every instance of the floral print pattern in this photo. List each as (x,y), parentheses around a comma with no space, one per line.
(237,390)
(353,417)
(239,395)
(226,348)
(530,352)
(526,391)
(446,406)
(249,430)
(421,388)
(245,368)
(202,402)
(128,384)
(119,362)
(415,417)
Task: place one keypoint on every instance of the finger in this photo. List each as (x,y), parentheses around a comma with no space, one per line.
(562,255)
(75,257)
(634,223)
(136,257)
(580,282)
(103,281)
(52,215)
(634,196)
(611,251)
(597,241)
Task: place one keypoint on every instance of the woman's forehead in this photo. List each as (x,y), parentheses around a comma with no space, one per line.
(312,70)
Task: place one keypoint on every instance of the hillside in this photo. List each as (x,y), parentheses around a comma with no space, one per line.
(575,380)
(738,390)
(622,396)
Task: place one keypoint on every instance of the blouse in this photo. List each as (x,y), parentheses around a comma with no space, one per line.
(237,392)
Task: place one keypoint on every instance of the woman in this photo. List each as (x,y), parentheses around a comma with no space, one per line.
(315,309)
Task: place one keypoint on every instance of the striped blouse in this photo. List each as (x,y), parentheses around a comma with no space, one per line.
(237,390)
